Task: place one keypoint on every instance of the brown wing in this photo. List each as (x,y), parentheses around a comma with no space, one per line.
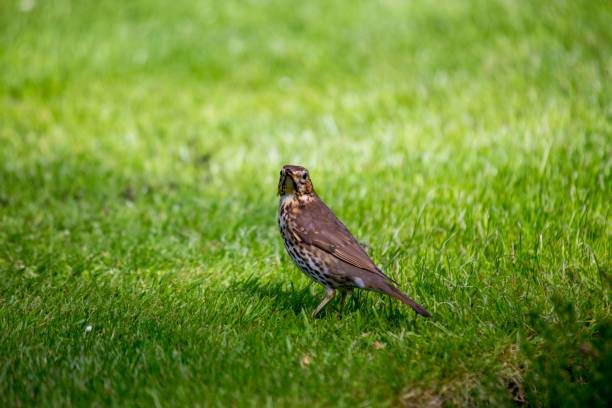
(319,226)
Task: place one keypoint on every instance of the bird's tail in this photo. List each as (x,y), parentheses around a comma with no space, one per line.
(391,290)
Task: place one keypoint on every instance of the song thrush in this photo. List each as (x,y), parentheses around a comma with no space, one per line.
(323,248)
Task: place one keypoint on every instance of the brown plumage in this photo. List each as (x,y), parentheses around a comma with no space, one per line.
(323,248)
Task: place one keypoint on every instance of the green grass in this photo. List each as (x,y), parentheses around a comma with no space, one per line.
(469,144)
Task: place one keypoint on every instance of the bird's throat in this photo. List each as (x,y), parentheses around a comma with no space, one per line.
(287,199)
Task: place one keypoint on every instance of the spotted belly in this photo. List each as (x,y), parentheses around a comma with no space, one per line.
(312,261)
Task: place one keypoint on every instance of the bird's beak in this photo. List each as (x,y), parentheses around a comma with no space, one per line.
(281,182)
(285,183)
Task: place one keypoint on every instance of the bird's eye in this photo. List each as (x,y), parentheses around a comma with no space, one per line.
(305,176)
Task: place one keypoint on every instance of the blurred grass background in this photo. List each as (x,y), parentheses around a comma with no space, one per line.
(468,143)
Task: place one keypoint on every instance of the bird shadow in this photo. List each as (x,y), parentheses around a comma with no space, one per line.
(371,309)
(284,295)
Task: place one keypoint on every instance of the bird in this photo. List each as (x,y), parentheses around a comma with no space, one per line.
(323,248)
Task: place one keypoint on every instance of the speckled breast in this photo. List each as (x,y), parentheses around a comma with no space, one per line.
(311,260)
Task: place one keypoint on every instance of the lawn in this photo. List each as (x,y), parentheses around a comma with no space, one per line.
(468,144)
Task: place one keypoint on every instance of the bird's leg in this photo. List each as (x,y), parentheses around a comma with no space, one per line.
(329,295)
(344,292)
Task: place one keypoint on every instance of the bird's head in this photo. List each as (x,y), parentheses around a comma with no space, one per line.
(294,180)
